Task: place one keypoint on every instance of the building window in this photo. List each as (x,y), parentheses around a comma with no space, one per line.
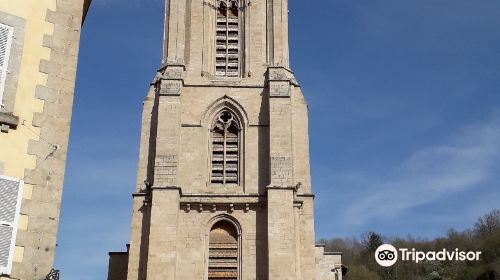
(6,33)
(225,146)
(10,205)
(223,252)
(228,39)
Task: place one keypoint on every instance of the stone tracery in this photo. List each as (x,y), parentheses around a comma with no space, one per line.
(225,149)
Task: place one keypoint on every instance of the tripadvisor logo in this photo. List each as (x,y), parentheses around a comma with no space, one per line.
(387,255)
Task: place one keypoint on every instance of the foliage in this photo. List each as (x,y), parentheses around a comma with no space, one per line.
(488,224)
(358,254)
(360,272)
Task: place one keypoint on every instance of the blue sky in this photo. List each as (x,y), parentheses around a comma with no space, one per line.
(404,118)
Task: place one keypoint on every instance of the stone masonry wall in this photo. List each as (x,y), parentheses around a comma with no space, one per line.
(42,210)
(273,205)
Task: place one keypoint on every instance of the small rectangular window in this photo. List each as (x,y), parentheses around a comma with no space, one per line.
(6,34)
(10,205)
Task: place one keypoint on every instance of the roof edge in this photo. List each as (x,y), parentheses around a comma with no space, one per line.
(86,6)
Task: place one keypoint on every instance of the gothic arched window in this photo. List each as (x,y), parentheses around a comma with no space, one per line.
(225,142)
(227,61)
(223,253)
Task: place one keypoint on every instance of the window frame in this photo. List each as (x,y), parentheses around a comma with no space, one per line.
(5,69)
(239,172)
(208,227)
(237,247)
(239,72)
(15,225)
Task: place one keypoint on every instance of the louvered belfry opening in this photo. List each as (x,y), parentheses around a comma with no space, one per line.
(225,149)
(223,252)
(228,43)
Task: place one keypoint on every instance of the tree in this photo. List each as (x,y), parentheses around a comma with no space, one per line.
(484,236)
(488,224)
(371,242)
(434,276)
(360,272)
(491,247)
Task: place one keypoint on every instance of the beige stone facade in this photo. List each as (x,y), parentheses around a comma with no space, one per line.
(223,184)
(328,264)
(39,42)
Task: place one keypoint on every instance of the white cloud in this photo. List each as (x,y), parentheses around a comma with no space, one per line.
(429,174)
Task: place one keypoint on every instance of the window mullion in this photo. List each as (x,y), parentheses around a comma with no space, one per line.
(224,157)
(227,41)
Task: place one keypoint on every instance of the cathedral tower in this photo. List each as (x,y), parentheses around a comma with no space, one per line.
(223,184)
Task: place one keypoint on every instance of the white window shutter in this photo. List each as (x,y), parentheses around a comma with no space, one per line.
(10,205)
(6,34)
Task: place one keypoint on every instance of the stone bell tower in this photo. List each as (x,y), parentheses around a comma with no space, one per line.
(223,183)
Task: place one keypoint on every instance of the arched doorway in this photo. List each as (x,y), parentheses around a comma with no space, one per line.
(223,262)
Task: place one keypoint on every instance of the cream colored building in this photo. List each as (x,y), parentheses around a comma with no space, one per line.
(223,185)
(39,42)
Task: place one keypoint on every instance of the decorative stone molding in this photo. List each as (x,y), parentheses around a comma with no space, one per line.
(224,102)
(222,199)
(215,207)
(221,202)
